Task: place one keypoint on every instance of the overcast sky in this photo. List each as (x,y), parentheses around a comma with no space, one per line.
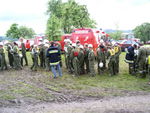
(126,14)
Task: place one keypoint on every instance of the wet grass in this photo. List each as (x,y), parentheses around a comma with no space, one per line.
(37,85)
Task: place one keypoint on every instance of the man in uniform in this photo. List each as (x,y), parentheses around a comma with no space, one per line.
(54,58)
(17,59)
(69,58)
(41,55)
(35,54)
(10,54)
(81,59)
(117,50)
(46,58)
(23,50)
(75,60)
(112,61)
(91,58)
(3,60)
(130,57)
(86,61)
(101,58)
(141,59)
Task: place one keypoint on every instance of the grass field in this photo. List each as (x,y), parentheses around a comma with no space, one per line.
(40,85)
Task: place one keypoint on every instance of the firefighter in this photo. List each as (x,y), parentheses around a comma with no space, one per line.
(16,57)
(86,61)
(75,60)
(101,58)
(46,58)
(3,60)
(111,61)
(41,55)
(59,47)
(91,58)
(81,59)
(23,50)
(130,57)
(35,54)
(67,43)
(10,54)
(141,59)
(70,58)
(117,50)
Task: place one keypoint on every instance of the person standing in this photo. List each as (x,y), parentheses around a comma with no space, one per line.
(23,50)
(10,55)
(101,58)
(141,59)
(47,66)
(81,59)
(54,58)
(75,60)
(17,59)
(112,61)
(117,50)
(34,54)
(91,58)
(86,61)
(130,58)
(3,60)
(41,55)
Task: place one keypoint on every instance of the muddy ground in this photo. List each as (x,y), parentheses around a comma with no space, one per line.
(25,91)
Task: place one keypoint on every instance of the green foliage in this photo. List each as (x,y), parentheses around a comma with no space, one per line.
(16,31)
(13,32)
(26,32)
(70,14)
(116,35)
(53,28)
(143,32)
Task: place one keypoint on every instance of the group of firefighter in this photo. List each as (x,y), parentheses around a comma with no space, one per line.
(81,59)
(16,57)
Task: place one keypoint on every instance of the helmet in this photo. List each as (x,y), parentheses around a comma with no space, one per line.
(1,43)
(74,45)
(90,46)
(81,46)
(101,64)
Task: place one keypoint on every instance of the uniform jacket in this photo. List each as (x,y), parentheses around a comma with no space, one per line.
(130,54)
(54,55)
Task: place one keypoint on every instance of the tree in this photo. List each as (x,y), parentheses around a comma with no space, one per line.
(26,32)
(16,31)
(143,32)
(70,14)
(53,28)
(13,32)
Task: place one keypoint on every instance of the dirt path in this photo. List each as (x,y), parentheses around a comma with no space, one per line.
(133,104)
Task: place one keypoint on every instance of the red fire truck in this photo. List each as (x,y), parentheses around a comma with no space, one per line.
(84,35)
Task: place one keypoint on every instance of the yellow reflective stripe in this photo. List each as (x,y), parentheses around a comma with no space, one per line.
(53,51)
(55,63)
(148,59)
(116,49)
(112,52)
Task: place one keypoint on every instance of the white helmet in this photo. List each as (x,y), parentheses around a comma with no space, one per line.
(81,46)
(74,45)
(90,46)
(101,64)
(1,43)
